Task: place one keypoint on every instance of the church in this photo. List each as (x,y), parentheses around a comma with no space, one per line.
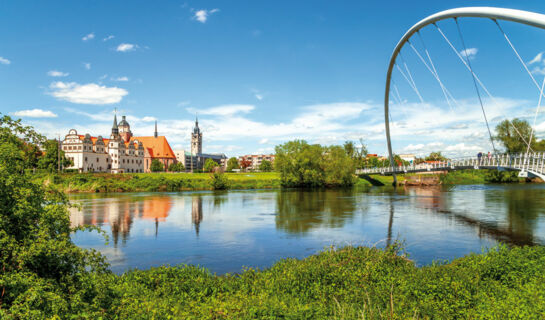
(121,153)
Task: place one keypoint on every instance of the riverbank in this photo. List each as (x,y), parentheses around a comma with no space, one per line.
(152,182)
(348,283)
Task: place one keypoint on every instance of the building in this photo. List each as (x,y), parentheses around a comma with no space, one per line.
(96,154)
(156,147)
(407,157)
(256,160)
(195,159)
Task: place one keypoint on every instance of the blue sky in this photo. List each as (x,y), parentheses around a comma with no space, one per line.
(260,73)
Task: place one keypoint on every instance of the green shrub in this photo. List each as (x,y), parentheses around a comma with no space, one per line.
(219,181)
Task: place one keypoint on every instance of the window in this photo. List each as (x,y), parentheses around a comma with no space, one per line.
(85,159)
(97,159)
(79,147)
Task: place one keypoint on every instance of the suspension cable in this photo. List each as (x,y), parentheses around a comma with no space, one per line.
(475,83)
(518,55)
(434,75)
(409,82)
(400,101)
(480,82)
(535,118)
(411,77)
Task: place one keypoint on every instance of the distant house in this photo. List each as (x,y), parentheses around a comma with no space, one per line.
(256,160)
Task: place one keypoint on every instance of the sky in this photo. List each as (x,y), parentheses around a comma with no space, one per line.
(260,73)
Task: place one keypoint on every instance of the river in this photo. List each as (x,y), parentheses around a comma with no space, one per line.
(228,231)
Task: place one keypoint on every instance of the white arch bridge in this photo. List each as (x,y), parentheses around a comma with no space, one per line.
(530,163)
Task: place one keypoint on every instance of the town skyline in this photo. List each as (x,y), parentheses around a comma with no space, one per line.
(310,73)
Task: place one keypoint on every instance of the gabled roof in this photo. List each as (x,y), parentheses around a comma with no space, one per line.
(156,147)
(106,141)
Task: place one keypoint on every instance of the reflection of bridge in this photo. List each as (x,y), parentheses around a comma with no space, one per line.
(528,165)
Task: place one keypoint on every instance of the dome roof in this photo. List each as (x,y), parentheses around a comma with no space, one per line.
(123,122)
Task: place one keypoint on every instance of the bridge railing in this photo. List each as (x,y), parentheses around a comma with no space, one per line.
(533,162)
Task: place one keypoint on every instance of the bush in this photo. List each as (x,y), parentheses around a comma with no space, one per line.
(210,165)
(176,167)
(219,181)
(156,166)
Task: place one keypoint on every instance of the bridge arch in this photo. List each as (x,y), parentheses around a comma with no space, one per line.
(519,16)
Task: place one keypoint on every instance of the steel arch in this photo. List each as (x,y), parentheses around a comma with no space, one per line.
(519,16)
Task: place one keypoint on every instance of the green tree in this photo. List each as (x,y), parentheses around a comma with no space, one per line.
(176,167)
(43,273)
(50,159)
(232,163)
(156,166)
(265,166)
(435,156)
(210,165)
(512,140)
(25,138)
(219,181)
(303,165)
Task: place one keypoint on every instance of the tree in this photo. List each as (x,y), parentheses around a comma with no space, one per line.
(210,165)
(266,166)
(232,163)
(50,160)
(43,273)
(436,156)
(156,166)
(24,138)
(176,167)
(245,163)
(512,140)
(303,165)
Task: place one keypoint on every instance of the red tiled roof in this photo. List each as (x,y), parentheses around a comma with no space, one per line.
(156,147)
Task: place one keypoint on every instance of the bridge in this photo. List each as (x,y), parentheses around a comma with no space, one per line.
(528,165)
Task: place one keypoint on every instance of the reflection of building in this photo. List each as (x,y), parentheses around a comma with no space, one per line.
(256,160)
(196,212)
(120,213)
(195,159)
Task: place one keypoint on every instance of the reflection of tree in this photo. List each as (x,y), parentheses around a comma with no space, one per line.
(301,211)
(220,196)
(196,212)
(120,213)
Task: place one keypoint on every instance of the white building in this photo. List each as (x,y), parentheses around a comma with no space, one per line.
(256,160)
(90,154)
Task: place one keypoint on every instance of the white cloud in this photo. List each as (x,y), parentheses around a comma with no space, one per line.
(35,113)
(538,58)
(56,73)
(126,47)
(121,79)
(110,37)
(202,15)
(90,36)
(538,70)
(4,61)
(90,93)
(264,141)
(224,110)
(148,119)
(87,65)
(183,103)
(259,96)
(469,52)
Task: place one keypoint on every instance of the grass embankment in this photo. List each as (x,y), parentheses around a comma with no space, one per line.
(138,182)
(349,283)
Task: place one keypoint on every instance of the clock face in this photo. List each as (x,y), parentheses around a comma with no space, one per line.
(72,131)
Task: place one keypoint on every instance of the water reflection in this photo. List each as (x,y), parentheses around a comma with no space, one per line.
(300,212)
(228,230)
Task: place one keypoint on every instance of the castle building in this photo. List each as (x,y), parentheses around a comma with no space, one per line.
(123,152)
(195,160)
(96,154)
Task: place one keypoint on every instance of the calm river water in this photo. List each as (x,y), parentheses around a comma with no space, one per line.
(228,231)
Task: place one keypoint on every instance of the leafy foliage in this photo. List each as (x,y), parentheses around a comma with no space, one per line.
(156,166)
(232,163)
(513,141)
(176,167)
(303,165)
(50,160)
(265,166)
(436,156)
(210,165)
(219,181)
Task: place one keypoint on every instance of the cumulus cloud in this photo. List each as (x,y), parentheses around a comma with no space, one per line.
(149,119)
(56,73)
(202,15)
(34,113)
(470,53)
(110,37)
(90,93)
(4,61)
(126,47)
(88,37)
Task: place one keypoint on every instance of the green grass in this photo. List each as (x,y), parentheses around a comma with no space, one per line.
(136,182)
(347,283)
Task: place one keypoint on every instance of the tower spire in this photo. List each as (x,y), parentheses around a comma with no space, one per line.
(115,130)
(155,134)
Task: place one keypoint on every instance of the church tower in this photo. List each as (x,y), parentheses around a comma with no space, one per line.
(125,130)
(196,139)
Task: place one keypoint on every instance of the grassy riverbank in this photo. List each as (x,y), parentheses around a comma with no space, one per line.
(349,283)
(137,182)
